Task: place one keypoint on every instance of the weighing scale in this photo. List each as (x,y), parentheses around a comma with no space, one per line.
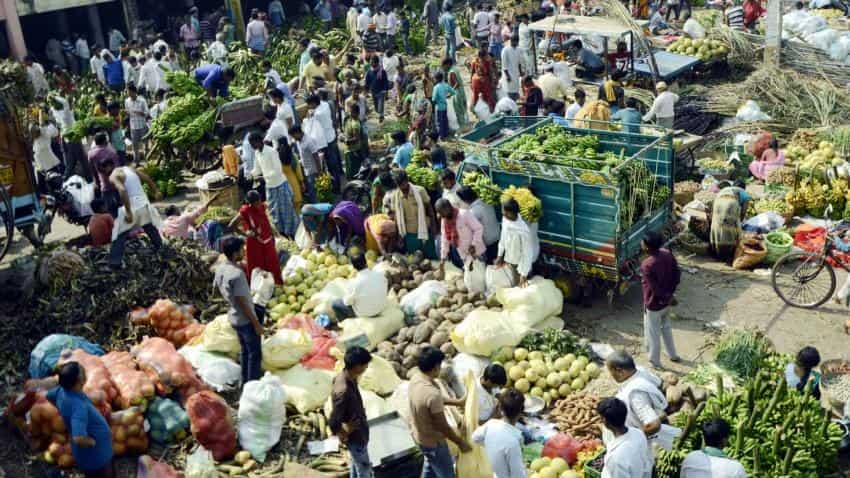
(391,448)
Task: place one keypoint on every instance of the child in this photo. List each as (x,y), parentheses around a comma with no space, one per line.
(116,133)
(799,372)
(100,223)
(494,377)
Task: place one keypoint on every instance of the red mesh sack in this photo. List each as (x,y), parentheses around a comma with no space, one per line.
(134,386)
(173,372)
(176,323)
(212,424)
(99,386)
(564,446)
(323,341)
(128,432)
(150,468)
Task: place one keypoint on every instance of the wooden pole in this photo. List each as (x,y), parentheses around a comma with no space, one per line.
(773,33)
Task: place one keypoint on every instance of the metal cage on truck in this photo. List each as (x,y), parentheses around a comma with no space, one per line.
(582,231)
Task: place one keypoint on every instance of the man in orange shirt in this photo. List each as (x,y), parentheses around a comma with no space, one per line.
(100,224)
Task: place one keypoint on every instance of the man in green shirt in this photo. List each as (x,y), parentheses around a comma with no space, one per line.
(356,140)
(442,91)
(629,116)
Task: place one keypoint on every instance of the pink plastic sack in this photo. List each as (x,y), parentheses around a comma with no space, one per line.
(564,446)
(323,341)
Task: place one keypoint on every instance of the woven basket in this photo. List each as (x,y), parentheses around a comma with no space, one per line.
(683,197)
(827,371)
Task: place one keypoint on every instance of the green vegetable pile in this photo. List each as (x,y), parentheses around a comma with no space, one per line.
(776,205)
(551,143)
(483,187)
(167,175)
(556,343)
(217,213)
(779,432)
(420,173)
(742,352)
(86,126)
(779,239)
(189,118)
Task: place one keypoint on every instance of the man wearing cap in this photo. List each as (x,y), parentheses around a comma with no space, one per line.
(553,87)
(663,108)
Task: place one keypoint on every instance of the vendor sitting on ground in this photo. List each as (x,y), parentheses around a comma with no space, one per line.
(657,24)
(588,64)
(711,461)
(410,207)
(728,211)
(367,292)
(771,159)
(100,223)
(461,235)
(798,373)
(177,224)
(381,234)
(516,244)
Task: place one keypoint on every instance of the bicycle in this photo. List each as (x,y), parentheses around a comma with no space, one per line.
(807,279)
(7,221)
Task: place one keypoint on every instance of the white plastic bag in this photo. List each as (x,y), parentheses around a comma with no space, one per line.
(450,272)
(374,405)
(475,275)
(531,304)
(262,286)
(322,301)
(262,413)
(379,377)
(423,297)
(216,370)
(200,464)
(285,348)
(294,264)
(463,364)
(750,111)
(453,123)
(302,239)
(482,110)
(498,278)
(811,24)
(483,332)
(400,401)
(219,336)
(458,37)
(823,39)
(82,194)
(693,28)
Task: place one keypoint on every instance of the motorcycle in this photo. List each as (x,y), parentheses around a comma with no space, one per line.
(70,199)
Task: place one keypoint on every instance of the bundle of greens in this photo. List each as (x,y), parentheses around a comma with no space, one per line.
(556,343)
(742,352)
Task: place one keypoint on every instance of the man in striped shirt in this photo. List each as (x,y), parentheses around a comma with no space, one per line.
(734,15)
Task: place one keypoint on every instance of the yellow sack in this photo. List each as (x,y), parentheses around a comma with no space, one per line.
(306,388)
(532,304)
(374,405)
(483,332)
(285,348)
(377,329)
(219,336)
(474,464)
(379,377)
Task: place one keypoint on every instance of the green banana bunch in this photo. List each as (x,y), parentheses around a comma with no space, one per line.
(182,84)
(324,187)
(483,187)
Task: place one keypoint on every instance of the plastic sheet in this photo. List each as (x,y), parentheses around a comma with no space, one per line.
(46,353)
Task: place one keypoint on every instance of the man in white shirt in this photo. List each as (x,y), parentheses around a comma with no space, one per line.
(61,112)
(392,28)
(645,402)
(524,45)
(96,64)
(390,62)
(481,26)
(663,108)
(576,105)
(35,75)
(493,378)
(131,70)
(138,114)
(81,47)
(512,71)
(380,21)
(43,156)
(311,161)
(627,453)
(160,46)
(486,215)
(517,244)
(283,120)
(711,461)
(502,440)
(363,21)
(272,76)
(322,114)
(552,87)
(367,292)
(160,104)
(278,193)
(217,50)
(151,76)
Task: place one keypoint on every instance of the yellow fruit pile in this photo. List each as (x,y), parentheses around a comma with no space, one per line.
(703,49)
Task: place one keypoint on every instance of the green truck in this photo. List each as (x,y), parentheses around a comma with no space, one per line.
(597,202)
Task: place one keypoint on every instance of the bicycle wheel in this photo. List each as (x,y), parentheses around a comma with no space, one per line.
(7,222)
(803,279)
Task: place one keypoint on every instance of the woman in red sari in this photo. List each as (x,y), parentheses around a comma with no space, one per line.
(481,69)
(259,247)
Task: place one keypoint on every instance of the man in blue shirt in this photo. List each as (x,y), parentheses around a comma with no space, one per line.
(91,439)
(589,63)
(629,116)
(214,79)
(404,150)
(449,24)
(113,72)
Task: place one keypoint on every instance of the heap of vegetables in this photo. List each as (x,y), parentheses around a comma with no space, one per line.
(166,174)
(189,117)
(321,268)
(704,49)
(483,187)
(545,376)
(530,207)
(742,352)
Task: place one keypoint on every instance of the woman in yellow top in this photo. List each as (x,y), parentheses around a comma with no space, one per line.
(593,115)
(99,108)
(381,234)
(294,174)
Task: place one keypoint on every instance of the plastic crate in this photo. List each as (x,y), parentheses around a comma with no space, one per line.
(591,472)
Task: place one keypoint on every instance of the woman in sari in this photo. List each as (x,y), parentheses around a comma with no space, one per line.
(772,158)
(381,234)
(482,79)
(294,174)
(455,80)
(726,216)
(315,219)
(260,249)
(346,219)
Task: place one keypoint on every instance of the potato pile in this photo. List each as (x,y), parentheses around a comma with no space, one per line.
(538,375)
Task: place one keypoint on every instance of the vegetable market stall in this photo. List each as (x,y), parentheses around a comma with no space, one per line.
(600,191)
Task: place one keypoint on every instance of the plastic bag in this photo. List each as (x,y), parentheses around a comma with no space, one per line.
(482,110)
(99,386)
(262,286)
(168,421)
(319,356)
(475,463)
(306,389)
(423,297)
(302,239)
(482,332)
(128,432)
(211,424)
(200,464)
(82,194)
(262,413)
(540,299)
(285,348)
(823,39)
(378,328)
(750,111)
(750,253)
(218,371)
(379,377)
(400,401)
(693,28)
(763,223)
(564,446)
(811,24)
(134,386)
(498,278)
(219,336)
(454,125)
(159,359)
(46,353)
(294,264)
(839,50)
(475,276)
(462,364)
(150,468)
(321,301)
(374,405)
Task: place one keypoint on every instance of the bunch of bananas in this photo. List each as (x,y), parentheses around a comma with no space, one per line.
(668,463)
(421,174)
(182,84)
(324,187)
(483,187)
(184,123)
(530,207)
(778,206)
